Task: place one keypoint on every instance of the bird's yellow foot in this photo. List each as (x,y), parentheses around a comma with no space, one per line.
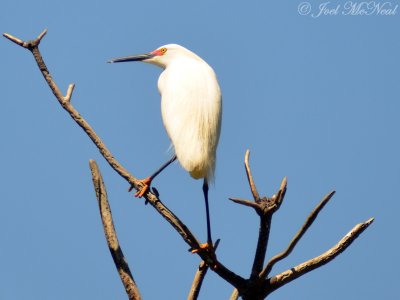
(145,187)
(209,248)
(206,247)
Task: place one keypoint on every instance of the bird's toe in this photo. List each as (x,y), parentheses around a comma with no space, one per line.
(145,187)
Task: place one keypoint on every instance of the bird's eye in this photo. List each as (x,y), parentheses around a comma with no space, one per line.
(163,50)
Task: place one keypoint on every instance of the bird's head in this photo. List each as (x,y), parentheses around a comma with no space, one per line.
(161,57)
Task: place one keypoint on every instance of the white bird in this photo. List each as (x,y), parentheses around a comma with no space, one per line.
(191,112)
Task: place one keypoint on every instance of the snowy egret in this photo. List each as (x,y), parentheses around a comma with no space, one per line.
(191,112)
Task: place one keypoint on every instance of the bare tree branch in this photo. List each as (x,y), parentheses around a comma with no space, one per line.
(176,223)
(287,276)
(268,206)
(33,46)
(199,277)
(69,92)
(246,203)
(262,244)
(253,188)
(28,44)
(265,208)
(111,236)
(234,295)
(257,286)
(278,197)
(311,218)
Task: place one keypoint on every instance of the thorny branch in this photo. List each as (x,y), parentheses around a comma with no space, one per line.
(111,236)
(257,286)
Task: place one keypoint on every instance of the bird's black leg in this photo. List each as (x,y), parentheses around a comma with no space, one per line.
(207,247)
(146,182)
(163,167)
(205,191)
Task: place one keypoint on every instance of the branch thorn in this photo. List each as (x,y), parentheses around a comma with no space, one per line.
(253,188)
(70,90)
(14,39)
(39,38)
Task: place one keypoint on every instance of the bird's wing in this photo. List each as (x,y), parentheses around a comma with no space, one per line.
(191,112)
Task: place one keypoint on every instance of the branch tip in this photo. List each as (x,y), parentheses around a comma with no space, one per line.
(250,179)
(246,203)
(93,166)
(370,221)
(216,244)
(69,92)
(278,197)
(246,156)
(323,202)
(41,35)
(307,224)
(283,184)
(14,39)
(287,276)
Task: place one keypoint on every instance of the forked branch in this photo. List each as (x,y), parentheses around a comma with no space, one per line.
(150,197)
(287,276)
(311,218)
(258,286)
(264,207)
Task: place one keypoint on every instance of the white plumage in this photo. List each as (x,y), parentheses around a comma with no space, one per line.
(190,106)
(191,109)
(191,112)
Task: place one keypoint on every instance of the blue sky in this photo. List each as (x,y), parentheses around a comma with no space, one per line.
(315,99)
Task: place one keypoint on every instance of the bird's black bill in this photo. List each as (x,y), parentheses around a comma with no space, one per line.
(139,57)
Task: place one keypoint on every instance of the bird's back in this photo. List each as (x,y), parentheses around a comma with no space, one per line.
(191,112)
